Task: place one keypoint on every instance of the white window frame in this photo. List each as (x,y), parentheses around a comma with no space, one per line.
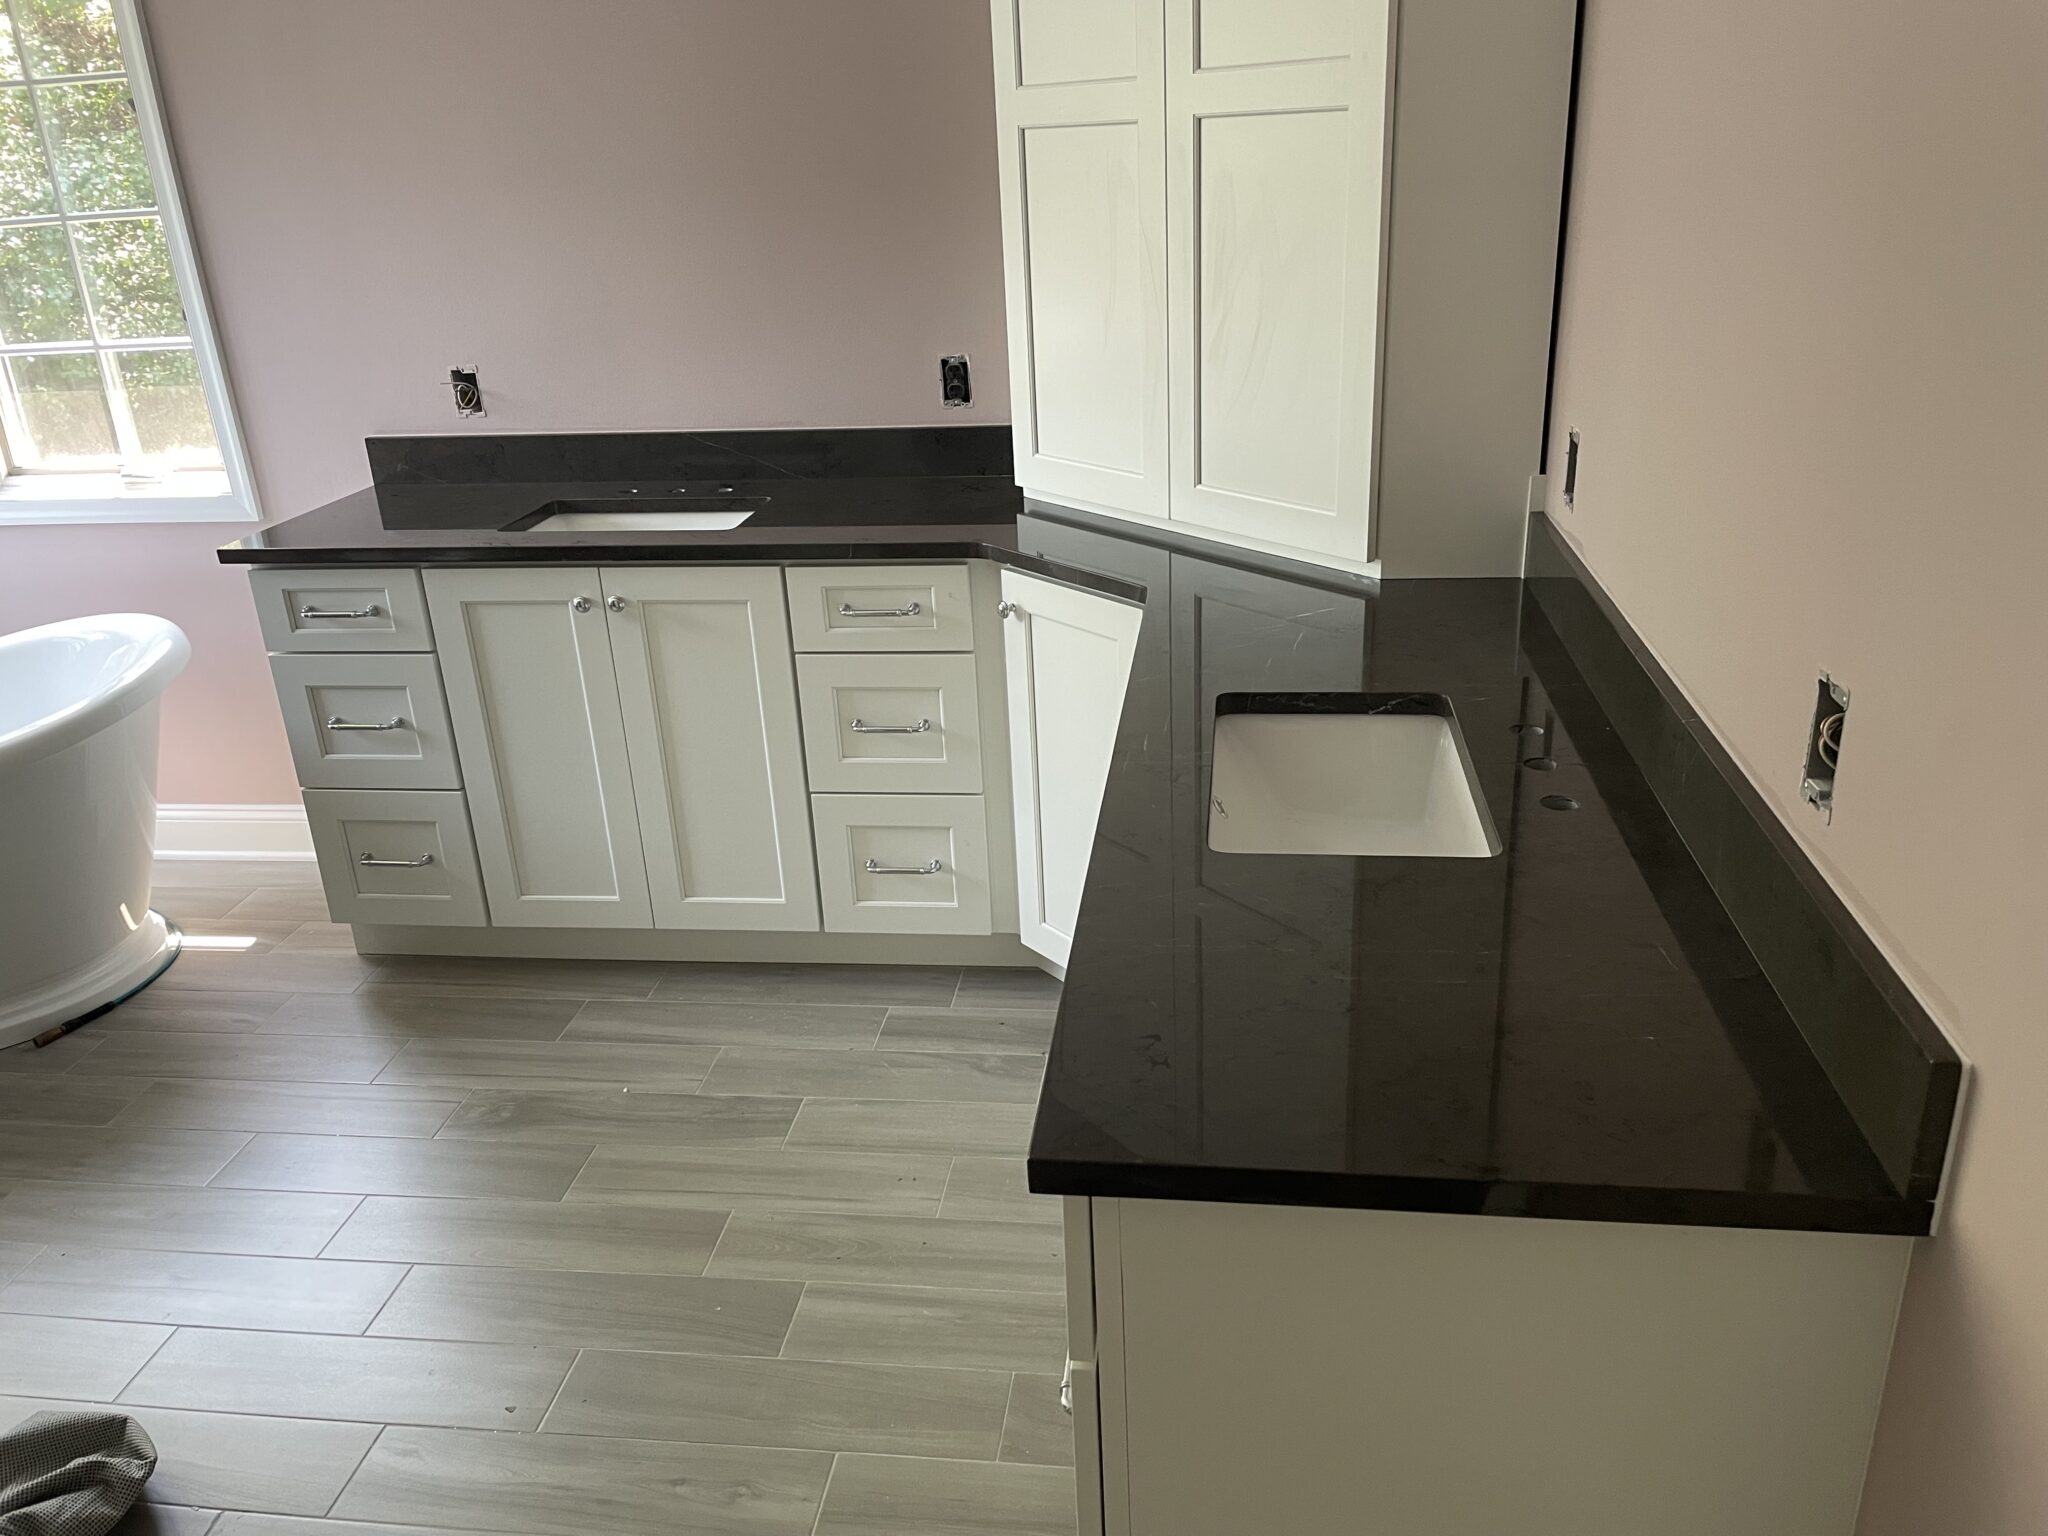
(105,498)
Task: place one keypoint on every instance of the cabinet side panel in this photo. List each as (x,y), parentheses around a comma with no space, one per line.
(1325,1370)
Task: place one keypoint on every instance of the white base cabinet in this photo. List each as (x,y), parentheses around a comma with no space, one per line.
(1291,1369)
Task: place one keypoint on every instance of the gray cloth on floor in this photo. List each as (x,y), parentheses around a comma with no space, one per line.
(71,1473)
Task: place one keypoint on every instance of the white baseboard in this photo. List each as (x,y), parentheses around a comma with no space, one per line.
(232,832)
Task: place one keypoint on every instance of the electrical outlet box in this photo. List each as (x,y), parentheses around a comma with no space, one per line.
(956,382)
(1824,745)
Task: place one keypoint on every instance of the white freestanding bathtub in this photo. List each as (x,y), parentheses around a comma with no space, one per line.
(78,727)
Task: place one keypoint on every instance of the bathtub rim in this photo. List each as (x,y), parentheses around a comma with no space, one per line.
(163,654)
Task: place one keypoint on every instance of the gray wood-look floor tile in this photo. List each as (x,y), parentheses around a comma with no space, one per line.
(206,1290)
(402,1165)
(883,1125)
(165,1520)
(306,1059)
(933,1076)
(284,903)
(871,985)
(682,1023)
(234,1523)
(899,1184)
(231,1460)
(381,1381)
(214,1013)
(317,935)
(1021,1030)
(164,1216)
(388,1013)
(1000,987)
(181,903)
(115,1154)
(15,1257)
(1037,1429)
(530,1234)
(805,1404)
(916,1325)
(679,1313)
(616,1117)
(236,935)
(994,1189)
(49,1060)
(466,976)
(496,1063)
(315,1108)
(168,874)
(919,1496)
(890,1250)
(571,1485)
(278,971)
(65,1099)
(71,1357)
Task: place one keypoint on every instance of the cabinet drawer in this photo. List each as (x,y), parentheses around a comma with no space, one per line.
(880,608)
(930,858)
(344,609)
(396,856)
(898,724)
(366,722)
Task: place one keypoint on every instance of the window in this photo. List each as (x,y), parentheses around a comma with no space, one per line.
(112,402)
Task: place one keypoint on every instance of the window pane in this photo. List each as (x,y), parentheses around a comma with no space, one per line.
(128,272)
(24,173)
(97,146)
(38,295)
(64,405)
(169,407)
(10,56)
(68,37)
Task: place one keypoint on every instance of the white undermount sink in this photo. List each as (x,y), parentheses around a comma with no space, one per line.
(637,521)
(1394,782)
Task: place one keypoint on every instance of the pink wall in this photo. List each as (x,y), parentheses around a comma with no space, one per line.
(1805,343)
(626,213)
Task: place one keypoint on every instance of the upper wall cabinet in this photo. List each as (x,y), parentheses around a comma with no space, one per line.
(1280,271)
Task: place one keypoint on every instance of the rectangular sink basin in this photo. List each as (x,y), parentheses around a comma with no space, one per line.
(1362,774)
(630,514)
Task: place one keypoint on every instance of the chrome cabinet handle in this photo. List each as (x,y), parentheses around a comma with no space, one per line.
(580,604)
(336,723)
(862,728)
(1005,608)
(310,612)
(910,612)
(897,869)
(616,604)
(371,861)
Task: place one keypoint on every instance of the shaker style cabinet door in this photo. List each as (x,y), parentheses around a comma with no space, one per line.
(708,688)
(1066,658)
(527,665)
(1083,175)
(1276,144)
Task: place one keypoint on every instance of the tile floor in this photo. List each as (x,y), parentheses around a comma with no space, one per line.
(533,1246)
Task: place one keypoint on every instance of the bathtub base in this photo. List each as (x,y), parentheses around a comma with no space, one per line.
(127,968)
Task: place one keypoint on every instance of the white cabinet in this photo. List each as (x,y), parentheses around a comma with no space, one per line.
(1084,217)
(1066,658)
(526,660)
(1279,272)
(709,698)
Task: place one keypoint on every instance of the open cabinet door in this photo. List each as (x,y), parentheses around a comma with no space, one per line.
(1066,658)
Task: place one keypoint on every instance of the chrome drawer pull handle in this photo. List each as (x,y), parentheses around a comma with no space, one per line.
(888,869)
(370,861)
(862,728)
(310,612)
(910,612)
(336,723)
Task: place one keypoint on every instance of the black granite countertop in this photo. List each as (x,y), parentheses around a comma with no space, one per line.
(1572,1028)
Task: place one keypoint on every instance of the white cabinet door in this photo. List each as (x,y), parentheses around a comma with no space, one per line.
(1276,146)
(708,689)
(1083,172)
(1066,658)
(527,666)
